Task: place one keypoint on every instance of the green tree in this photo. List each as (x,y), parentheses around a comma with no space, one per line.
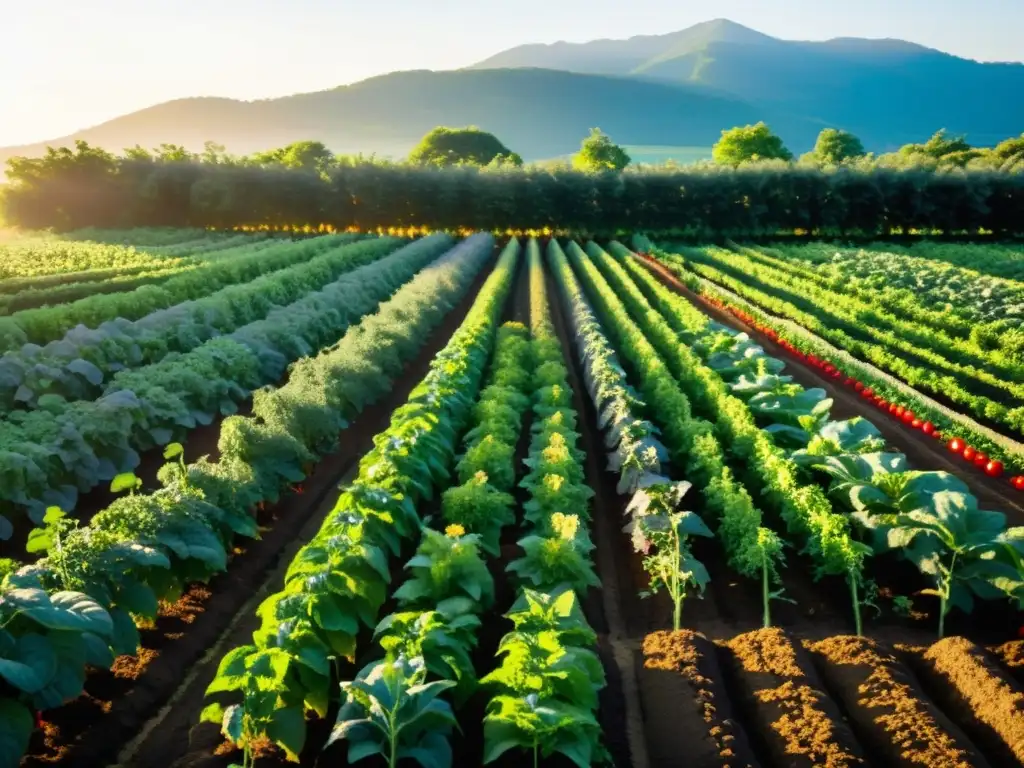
(461,146)
(749,143)
(1009,154)
(312,155)
(834,146)
(599,153)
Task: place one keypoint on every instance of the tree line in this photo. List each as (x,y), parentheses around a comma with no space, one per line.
(468,179)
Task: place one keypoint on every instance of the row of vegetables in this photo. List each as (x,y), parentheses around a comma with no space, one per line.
(960,299)
(81,602)
(49,455)
(924,357)
(930,518)
(80,365)
(898,290)
(337,584)
(23,293)
(238,264)
(806,346)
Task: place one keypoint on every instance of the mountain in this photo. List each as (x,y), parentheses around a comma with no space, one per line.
(889,92)
(538,113)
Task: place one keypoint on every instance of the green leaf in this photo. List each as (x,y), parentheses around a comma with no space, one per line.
(126,481)
(287,729)
(232,723)
(173,450)
(39,540)
(53,515)
(33,664)
(16,724)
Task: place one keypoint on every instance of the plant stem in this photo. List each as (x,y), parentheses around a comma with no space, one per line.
(677,591)
(764,589)
(856,603)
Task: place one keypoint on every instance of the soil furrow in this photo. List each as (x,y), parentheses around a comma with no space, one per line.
(971,688)
(798,723)
(701,708)
(889,711)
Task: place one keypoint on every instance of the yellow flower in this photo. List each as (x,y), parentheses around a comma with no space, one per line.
(480,476)
(454,530)
(565,526)
(554,482)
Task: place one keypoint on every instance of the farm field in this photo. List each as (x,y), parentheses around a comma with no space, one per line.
(335,499)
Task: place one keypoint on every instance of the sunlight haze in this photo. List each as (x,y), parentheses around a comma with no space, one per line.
(69,65)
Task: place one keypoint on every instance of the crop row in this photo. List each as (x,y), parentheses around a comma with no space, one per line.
(852,325)
(930,518)
(907,294)
(146,547)
(898,397)
(753,549)
(544,695)
(51,454)
(960,301)
(24,293)
(45,324)
(338,582)
(80,365)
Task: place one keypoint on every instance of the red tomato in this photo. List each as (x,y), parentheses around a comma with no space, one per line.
(1018,482)
(969,453)
(981,460)
(897,411)
(917,423)
(868,392)
(928,428)
(908,416)
(994,468)
(956,445)
(848,382)
(859,386)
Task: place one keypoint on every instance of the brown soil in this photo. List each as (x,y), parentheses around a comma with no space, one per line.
(971,688)
(702,712)
(890,713)
(182,651)
(800,724)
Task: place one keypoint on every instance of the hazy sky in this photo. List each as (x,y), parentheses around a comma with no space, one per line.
(68,64)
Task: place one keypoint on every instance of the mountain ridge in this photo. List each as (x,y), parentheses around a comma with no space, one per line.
(680,88)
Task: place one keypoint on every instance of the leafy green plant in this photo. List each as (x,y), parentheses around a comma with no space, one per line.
(268,708)
(46,641)
(547,684)
(965,550)
(480,508)
(392,711)
(446,565)
(173,471)
(657,525)
(443,638)
(126,481)
(560,556)
(492,458)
